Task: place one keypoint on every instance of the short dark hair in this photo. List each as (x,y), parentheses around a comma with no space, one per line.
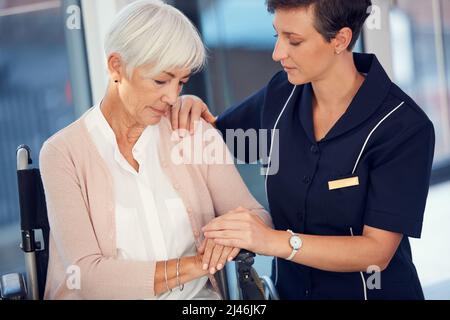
(331,15)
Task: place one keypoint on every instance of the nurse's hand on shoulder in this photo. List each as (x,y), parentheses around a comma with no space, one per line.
(187,111)
(240,228)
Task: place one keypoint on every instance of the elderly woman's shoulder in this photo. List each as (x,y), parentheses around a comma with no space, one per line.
(67,139)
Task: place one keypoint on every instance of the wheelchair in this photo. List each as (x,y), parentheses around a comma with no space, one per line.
(35,231)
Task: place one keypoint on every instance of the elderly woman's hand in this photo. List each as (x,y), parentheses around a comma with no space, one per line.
(216,256)
(187,111)
(240,228)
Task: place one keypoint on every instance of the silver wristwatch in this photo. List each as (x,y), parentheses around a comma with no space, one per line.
(295,242)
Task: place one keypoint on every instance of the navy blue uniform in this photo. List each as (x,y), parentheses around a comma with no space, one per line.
(384,139)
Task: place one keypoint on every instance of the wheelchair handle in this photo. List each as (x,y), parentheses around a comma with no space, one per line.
(23,154)
(246,257)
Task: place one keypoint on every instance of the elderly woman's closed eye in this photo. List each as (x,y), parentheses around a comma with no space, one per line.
(120,209)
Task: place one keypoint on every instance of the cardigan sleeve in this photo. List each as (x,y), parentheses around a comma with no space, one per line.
(101,277)
(228,190)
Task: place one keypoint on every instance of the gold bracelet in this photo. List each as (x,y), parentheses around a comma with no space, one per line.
(180,286)
(165,276)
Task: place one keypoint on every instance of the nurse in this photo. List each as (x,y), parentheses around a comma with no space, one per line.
(355,155)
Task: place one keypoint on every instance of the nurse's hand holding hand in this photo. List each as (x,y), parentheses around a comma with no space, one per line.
(240,228)
(243,229)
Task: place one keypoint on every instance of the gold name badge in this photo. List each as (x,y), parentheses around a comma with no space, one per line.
(343,183)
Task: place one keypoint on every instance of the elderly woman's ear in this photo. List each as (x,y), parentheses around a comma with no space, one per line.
(116,67)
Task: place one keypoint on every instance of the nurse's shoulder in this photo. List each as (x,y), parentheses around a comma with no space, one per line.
(404,132)
(412,115)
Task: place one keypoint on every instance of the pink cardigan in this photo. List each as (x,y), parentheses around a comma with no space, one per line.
(79,193)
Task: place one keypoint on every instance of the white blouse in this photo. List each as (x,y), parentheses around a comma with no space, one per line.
(151,220)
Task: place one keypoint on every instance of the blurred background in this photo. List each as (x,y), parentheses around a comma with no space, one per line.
(52,69)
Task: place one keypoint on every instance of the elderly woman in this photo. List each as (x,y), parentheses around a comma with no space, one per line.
(125,214)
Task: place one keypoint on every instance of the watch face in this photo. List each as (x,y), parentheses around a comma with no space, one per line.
(295,242)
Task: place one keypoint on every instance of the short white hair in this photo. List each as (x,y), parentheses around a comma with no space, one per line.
(150,32)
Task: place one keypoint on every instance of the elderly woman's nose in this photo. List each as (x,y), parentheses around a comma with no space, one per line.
(171,96)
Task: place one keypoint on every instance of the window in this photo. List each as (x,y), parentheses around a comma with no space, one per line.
(36,98)
(421,56)
(239,35)
(420,40)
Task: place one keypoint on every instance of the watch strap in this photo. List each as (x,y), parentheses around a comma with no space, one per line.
(294,251)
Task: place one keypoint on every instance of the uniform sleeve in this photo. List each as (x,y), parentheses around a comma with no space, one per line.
(245,116)
(398,183)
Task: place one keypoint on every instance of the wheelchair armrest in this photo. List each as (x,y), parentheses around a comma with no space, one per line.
(270,292)
(12,287)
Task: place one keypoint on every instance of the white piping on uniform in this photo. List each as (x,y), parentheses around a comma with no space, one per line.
(268,164)
(370,134)
(356,165)
(273,134)
(362,276)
